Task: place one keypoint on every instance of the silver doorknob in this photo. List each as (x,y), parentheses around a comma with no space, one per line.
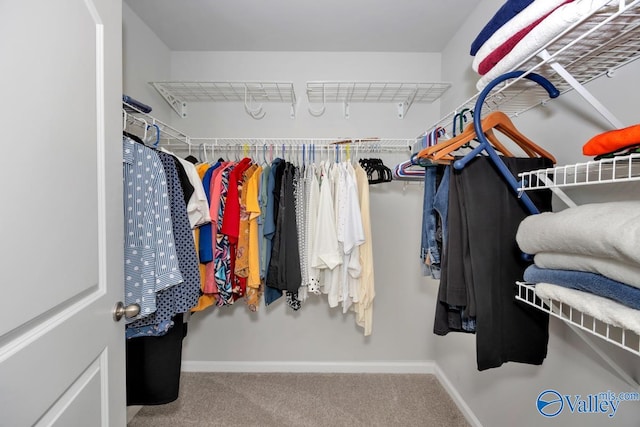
(129,311)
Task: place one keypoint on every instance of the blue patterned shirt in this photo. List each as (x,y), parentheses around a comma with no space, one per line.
(150,260)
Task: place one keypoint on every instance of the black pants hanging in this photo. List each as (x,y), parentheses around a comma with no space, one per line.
(484,255)
(153,366)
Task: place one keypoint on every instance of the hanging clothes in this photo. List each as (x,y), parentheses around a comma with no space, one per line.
(182,297)
(482,263)
(284,267)
(366,292)
(150,258)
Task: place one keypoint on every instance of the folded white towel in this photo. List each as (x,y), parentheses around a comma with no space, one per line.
(600,308)
(522,20)
(611,268)
(605,230)
(561,19)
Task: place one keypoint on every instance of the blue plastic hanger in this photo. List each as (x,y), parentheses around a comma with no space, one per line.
(155,144)
(484,143)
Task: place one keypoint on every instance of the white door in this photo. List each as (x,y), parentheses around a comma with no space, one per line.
(61,353)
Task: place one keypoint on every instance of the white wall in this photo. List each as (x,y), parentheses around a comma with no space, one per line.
(225,119)
(506,396)
(404,300)
(144,58)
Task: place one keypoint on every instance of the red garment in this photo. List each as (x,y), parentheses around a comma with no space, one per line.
(231,223)
(612,141)
(503,50)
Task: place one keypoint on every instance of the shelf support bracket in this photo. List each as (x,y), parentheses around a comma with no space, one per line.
(403,107)
(346,109)
(558,192)
(179,106)
(608,360)
(600,108)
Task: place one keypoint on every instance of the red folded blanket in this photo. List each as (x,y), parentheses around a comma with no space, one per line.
(611,141)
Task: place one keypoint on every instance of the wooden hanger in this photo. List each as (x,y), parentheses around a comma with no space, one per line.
(500,121)
(443,149)
(495,120)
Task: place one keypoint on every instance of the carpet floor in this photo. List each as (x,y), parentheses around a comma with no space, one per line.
(305,400)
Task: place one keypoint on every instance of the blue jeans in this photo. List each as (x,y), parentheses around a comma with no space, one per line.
(429,252)
(441,204)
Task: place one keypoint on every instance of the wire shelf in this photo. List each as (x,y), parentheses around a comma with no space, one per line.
(615,169)
(603,42)
(621,337)
(319,91)
(229,91)
(405,94)
(179,93)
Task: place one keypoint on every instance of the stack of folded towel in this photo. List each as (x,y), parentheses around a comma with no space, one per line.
(588,257)
(522,27)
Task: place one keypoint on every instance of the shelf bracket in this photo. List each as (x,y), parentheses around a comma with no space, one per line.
(179,106)
(558,192)
(526,294)
(608,360)
(575,84)
(403,107)
(346,109)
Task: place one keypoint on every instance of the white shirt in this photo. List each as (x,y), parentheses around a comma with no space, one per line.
(198,206)
(313,203)
(326,252)
(352,235)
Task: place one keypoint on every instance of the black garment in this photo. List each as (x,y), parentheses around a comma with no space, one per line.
(483,262)
(284,267)
(153,366)
(134,137)
(192,159)
(291,276)
(278,176)
(187,187)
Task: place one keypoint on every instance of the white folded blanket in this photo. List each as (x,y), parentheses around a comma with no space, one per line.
(611,268)
(600,308)
(522,20)
(605,230)
(558,21)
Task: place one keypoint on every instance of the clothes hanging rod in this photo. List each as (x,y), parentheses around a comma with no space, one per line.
(141,118)
(145,120)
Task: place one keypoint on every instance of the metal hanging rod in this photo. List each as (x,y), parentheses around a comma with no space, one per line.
(133,116)
(168,134)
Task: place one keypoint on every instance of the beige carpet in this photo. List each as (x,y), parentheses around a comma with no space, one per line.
(279,400)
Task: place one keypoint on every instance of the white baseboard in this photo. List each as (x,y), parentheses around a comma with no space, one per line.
(457,398)
(400,367)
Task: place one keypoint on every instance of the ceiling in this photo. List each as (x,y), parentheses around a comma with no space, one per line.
(304,25)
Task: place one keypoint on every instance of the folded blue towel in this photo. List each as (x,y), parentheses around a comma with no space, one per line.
(587,282)
(134,102)
(508,10)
